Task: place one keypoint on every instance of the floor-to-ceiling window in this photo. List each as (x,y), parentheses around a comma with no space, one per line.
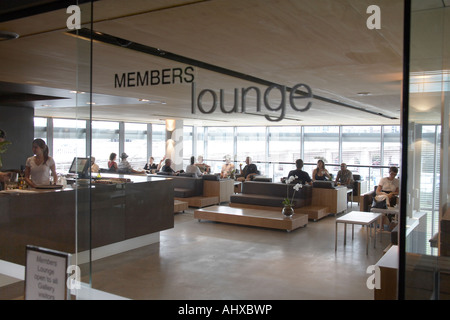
(69,141)
(277,147)
(321,143)
(158,141)
(136,144)
(284,145)
(219,143)
(105,141)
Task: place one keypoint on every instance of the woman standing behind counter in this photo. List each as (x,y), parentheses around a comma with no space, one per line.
(38,167)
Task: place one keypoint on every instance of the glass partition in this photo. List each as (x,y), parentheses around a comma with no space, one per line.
(426,217)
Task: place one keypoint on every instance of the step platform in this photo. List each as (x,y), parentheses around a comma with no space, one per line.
(199,201)
(252,217)
(314,212)
(180,206)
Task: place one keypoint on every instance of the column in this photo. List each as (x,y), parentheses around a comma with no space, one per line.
(174,143)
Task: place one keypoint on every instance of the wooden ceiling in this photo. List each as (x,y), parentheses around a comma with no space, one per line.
(354,73)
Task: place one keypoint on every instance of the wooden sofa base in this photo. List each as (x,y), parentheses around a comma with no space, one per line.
(252,217)
(199,201)
(314,212)
(180,205)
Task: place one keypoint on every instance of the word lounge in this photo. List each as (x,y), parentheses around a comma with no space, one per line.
(213,100)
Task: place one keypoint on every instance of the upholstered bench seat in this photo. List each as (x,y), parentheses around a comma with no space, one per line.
(183,192)
(270,194)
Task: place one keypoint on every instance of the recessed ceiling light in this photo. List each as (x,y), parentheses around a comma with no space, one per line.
(364,94)
(152,101)
(90,102)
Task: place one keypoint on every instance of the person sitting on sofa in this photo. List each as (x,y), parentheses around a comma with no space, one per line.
(124,165)
(204,168)
(344,176)
(320,173)
(249,172)
(227,168)
(112,164)
(151,166)
(388,188)
(168,169)
(302,176)
(192,168)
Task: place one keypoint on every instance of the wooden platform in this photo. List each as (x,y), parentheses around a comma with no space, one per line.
(314,212)
(180,206)
(199,202)
(252,217)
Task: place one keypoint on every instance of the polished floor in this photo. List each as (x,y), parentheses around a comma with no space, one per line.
(208,260)
(215,261)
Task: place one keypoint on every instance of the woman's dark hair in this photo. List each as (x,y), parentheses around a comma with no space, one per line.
(41,144)
(192,160)
(112,156)
(320,161)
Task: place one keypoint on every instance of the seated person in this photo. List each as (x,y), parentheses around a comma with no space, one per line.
(167,168)
(192,168)
(204,168)
(320,173)
(151,166)
(249,171)
(227,168)
(94,167)
(388,188)
(124,165)
(302,176)
(112,164)
(344,177)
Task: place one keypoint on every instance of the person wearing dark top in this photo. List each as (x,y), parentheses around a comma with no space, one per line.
(320,173)
(249,171)
(302,176)
(167,167)
(151,165)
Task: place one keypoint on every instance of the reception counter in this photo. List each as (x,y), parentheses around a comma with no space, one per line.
(78,218)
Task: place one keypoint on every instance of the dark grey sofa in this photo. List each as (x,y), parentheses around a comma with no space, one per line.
(271,194)
(185,185)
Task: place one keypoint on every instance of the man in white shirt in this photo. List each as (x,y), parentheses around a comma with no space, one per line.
(388,187)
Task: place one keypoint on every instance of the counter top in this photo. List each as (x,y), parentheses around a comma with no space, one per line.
(74,186)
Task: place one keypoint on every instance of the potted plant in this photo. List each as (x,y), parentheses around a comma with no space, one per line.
(288,203)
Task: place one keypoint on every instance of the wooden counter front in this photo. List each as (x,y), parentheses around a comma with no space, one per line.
(78,219)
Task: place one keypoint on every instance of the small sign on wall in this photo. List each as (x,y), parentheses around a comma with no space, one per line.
(45,274)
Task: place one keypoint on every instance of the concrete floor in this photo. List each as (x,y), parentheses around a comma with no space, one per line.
(214,261)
